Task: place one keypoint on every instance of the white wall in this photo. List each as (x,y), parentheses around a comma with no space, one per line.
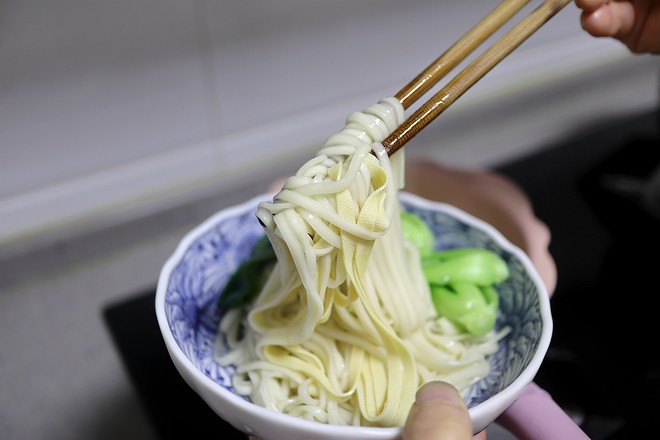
(110,110)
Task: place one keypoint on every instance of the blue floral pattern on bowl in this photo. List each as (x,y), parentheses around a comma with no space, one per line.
(215,249)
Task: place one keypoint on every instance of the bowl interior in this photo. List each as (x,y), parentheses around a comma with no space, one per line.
(208,256)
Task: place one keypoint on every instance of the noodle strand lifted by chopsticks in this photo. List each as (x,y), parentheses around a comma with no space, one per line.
(344,331)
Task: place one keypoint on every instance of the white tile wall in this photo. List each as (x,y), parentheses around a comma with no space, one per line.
(114,110)
(88,85)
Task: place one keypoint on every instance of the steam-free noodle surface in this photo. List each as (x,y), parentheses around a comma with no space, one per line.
(344,331)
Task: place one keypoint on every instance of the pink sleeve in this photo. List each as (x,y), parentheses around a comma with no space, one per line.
(536,416)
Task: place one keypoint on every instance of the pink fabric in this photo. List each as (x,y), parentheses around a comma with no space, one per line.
(536,416)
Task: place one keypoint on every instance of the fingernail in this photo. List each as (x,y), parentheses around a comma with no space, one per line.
(435,391)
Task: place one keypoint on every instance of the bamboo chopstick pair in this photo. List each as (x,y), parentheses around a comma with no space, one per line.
(467,77)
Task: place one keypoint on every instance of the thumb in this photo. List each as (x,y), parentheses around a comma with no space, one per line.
(439,413)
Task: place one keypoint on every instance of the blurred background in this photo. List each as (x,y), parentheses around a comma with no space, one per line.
(124,124)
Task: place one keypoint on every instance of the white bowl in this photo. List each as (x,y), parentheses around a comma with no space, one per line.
(188,315)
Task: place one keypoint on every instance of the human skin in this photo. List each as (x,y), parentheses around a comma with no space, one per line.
(438,413)
(636,23)
(501,203)
(493,198)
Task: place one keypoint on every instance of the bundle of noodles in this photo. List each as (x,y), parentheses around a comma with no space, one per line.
(344,330)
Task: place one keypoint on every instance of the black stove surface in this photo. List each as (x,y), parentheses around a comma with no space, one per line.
(601,366)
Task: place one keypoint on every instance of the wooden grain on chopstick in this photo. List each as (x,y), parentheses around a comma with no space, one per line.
(459,51)
(471,74)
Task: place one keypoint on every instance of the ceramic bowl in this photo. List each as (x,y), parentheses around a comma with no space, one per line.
(188,315)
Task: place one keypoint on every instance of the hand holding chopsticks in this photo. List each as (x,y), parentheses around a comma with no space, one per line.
(473,72)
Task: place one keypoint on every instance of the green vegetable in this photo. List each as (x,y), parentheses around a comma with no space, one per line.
(250,276)
(471,307)
(461,282)
(416,231)
(474,265)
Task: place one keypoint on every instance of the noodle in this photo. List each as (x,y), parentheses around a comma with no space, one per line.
(344,330)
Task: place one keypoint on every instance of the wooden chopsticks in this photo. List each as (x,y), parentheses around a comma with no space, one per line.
(459,51)
(474,71)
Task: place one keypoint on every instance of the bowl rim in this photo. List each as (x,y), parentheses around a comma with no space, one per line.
(496,404)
